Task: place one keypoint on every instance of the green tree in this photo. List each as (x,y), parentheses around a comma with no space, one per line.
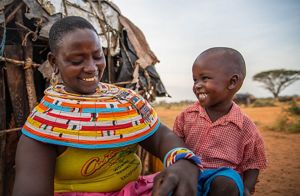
(277,80)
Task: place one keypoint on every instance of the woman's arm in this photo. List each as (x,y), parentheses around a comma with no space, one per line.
(161,142)
(181,178)
(35,166)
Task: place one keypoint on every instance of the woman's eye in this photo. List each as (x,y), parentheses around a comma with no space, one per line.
(98,57)
(76,62)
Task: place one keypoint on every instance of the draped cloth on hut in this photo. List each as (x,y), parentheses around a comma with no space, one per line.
(138,40)
(112,117)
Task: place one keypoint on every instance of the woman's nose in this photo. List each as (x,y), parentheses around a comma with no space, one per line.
(90,66)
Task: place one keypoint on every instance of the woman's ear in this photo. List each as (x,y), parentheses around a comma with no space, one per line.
(234,81)
(52,60)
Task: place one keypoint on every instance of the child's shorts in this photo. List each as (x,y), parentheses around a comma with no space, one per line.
(208,175)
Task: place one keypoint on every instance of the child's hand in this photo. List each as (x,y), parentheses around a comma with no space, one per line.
(179,179)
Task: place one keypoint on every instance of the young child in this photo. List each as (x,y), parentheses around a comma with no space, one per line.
(81,139)
(215,128)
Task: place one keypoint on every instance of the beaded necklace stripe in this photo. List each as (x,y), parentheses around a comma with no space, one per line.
(87,104)
(89,146)
(109,142)
(76,130)
(115,120)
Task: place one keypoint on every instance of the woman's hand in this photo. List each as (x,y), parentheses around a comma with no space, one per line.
(181,178)
(246,192)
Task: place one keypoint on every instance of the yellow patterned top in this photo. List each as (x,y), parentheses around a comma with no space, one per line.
(98,170)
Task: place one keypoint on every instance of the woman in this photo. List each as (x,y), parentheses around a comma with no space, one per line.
(81,139)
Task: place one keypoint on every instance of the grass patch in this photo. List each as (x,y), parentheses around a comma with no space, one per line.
(263,103)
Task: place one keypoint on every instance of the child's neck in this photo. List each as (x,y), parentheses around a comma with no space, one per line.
(216,112)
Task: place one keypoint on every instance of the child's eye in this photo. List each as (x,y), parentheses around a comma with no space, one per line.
(205,78)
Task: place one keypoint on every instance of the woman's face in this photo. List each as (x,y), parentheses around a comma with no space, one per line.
(80,61)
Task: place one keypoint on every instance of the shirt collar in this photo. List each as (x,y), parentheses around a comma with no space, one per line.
(234,115)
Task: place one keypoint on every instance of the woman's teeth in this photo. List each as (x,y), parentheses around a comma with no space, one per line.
(89,79)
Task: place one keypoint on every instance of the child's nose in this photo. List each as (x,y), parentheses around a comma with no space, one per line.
(198,85)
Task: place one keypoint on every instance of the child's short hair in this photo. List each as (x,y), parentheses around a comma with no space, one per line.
(64,26)
(232,55)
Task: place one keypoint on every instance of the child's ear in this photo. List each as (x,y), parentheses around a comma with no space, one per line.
(234,81)
(52,60)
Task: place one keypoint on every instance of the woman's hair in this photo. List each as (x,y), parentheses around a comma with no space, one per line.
(64,26)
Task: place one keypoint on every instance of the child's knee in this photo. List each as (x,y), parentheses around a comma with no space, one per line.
(222,185)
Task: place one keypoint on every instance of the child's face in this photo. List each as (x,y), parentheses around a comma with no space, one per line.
(211,82)
(80,61)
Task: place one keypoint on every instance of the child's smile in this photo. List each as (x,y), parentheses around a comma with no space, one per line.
(202,97)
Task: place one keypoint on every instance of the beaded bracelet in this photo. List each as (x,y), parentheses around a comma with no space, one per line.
(181,153)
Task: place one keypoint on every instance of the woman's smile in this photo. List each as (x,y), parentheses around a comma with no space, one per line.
(91,79)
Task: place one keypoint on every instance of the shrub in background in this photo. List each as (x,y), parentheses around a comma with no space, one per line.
(287,125)
(294,108)
(289,121)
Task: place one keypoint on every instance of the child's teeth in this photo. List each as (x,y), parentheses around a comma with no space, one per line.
(202,96)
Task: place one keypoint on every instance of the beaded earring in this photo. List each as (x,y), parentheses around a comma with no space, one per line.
(54,80)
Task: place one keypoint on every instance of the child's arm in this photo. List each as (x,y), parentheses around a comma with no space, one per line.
(250,177)
(254,156)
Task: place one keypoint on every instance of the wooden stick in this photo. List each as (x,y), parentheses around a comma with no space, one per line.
(2,101)
(2,126)
(28,52)
(17,62)
(13,13)
(22,26)
(2,162)
(10,130)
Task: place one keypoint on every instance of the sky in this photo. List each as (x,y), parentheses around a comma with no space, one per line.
(266,32)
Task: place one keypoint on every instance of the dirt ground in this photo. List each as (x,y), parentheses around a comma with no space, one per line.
(282,177)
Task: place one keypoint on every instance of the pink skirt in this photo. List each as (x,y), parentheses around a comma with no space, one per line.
(141,187)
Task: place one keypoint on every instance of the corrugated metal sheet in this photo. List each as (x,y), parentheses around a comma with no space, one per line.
(103,17)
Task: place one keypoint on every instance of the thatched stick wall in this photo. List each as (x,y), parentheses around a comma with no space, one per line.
(28,53)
